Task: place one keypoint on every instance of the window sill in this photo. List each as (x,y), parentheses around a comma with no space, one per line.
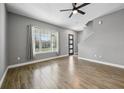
(44,52)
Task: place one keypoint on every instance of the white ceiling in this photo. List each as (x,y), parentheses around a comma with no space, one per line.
(49,12)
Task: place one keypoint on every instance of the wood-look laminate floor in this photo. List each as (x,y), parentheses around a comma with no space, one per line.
(67,72)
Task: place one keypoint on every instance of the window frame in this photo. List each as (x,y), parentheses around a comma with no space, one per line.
(42,52)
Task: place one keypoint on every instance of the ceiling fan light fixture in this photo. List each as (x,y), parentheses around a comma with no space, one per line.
(75,12)
(75,9)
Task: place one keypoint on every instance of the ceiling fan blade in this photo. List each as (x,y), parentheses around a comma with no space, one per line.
(74,4)
(81,12)
(65,10)
(70,15)
(84,4)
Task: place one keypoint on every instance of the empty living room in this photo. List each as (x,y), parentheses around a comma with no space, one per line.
(76,45)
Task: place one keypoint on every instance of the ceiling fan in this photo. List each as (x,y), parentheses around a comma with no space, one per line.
(75,9)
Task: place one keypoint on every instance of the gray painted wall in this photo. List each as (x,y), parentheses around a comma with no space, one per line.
(3,54)
(104,42)
(17,35)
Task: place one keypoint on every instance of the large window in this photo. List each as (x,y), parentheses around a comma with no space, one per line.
(44,41)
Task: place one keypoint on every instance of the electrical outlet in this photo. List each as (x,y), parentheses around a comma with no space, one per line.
(95,55)
(18,58)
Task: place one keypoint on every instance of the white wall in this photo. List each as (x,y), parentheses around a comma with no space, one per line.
(104,42)
(3,48)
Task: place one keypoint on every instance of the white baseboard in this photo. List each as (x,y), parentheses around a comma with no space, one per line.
(101,62)
(35,61)
(3,77)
